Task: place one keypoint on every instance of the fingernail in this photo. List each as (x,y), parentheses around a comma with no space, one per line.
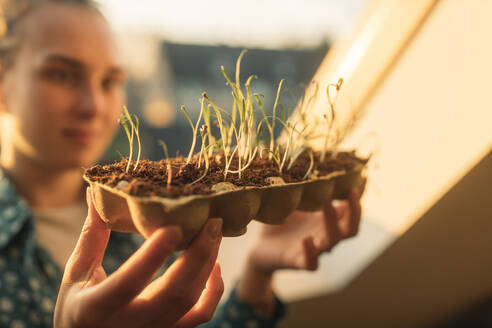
(214,228)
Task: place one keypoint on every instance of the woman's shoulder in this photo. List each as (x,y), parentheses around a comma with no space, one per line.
(16,226)
(14,212)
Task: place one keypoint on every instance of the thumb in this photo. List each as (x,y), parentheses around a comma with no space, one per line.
(89,251)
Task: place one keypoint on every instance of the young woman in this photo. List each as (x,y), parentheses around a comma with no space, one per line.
(61,92)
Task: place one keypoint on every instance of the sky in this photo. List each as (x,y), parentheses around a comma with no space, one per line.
(253,23)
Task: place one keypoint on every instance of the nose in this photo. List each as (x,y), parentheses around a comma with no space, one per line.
(92,101)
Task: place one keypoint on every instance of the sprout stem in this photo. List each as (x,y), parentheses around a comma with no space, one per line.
(274,110)
(138,141)
(331,102)
(194,128)
(125,120)
(169,170)
(311,164)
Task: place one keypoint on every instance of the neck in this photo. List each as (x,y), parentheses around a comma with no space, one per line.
(43,186)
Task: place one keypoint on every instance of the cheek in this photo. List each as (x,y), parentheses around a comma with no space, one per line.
(113,111)
(43,112)
(39,110)
(52,102)
(109,122)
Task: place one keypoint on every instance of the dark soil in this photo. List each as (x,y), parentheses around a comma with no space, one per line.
(150,178)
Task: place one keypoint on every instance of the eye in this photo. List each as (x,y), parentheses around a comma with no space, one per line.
(110,83)
(62,76)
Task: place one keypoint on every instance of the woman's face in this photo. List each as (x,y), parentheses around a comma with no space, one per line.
(64,92)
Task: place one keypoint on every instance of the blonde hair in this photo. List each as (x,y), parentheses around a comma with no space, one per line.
(14,12)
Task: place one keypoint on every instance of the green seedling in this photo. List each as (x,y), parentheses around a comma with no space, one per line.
(223,133)
(250,119)
(169,169)
(203,134)
(272,141)
(267,122)
(297,142)
(194,128)
(203,152)
(243,109)
(275,155)
(229,162)
(298,145)
(131,129)
(240,134)
(331,119)
(287,150)
(311,164)
(206,119)
(283,113)
(138,140)
(303,106)
(270,126)
(129,135)
(243,168)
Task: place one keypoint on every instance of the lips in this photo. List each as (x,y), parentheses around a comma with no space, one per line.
(79,136)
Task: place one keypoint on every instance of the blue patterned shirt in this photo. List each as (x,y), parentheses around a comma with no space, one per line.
(30,278)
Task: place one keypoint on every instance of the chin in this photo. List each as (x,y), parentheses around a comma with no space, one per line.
(73,155)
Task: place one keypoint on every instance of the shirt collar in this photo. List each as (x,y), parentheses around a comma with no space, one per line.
(14,211)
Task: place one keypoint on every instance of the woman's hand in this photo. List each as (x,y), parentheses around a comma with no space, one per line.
(184,296)
(296,244)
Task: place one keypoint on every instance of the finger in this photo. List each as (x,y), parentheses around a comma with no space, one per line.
(204,309)
(133,276)
(331,234)
(362,187)
(343,213)
(89,251)
(355,213)
(341,209)
(309,260)
(182,284)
